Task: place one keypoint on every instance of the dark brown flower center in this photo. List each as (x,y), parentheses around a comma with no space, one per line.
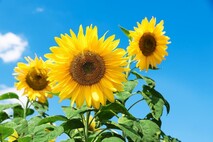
(87,68)
(37,79)
(147,44)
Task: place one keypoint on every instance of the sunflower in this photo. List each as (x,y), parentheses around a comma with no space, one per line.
(85,67)
(148,43)
(13,137)
(92,126)
(32,77)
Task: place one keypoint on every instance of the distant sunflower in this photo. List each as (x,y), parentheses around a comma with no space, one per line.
(148,43)
(92,126)
(87,68)
(13,137)
(32,77)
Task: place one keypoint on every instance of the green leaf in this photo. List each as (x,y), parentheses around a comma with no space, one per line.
(33,122)
(150,117)
(130,85)
(72,124)
(5,132)
(127,130)
(21,125)
(6,106)
(69,140)
(169,138)
(18,111)
(29,111)
(40,132)
(41,107)
(72,112)
(112,109)
(3,116)
(97,137)
(112,139)
(55,133)
(123,96)
(25,139)
(151,131)
(155,101)
(51,119)
(126,32)
(9,124)
(9,95)
(150,82)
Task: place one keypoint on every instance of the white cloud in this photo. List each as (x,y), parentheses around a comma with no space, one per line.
(11,46)
(39,9)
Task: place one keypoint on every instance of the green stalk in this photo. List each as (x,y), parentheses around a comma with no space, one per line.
(135,103)
(83,120)
(25,109)
(128,65)
(1,139)
(94,139)
(86,126)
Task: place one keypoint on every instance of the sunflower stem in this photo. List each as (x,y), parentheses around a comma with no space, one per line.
(25,109)
(135,103)
(1,139)
(94,139)
(87,125)
(128,66)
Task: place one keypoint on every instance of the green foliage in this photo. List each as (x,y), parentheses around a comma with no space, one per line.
(3,116)
(71,112)
(9,95)
(18,111)
(150,82)
(51,119)
(112,139)
(128,88)
(110,110)
(5,132)
(7,106)
(42,127)
(41,107)
(155,101)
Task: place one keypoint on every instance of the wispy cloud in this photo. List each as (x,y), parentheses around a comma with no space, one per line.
(11,46)
(39,10)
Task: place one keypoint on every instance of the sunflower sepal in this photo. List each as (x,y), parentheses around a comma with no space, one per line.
(126,32)
(153,68)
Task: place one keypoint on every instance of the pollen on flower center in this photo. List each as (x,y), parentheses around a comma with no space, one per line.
(37,79)
(147,44)
(87,68)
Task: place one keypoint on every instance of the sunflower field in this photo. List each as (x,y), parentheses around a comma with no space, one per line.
(98,78)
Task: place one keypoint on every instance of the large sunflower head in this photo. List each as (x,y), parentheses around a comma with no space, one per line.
(85,67)
(148,43)
(32,77)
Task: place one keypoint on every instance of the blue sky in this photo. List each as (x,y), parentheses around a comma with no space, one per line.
(185,77)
